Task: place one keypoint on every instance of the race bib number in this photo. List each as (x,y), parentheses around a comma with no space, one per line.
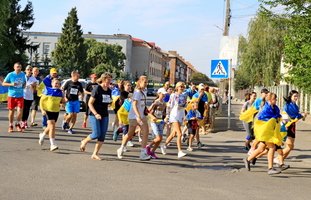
(74,91)
(106,98)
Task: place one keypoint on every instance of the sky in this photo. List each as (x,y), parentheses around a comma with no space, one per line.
(193,28)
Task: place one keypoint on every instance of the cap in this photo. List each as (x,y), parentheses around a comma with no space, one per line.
(161,90)
(53,71)
(201,87)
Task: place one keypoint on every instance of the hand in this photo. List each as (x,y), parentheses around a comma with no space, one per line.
(120,124)
(98,116)
(43,112)
(139,121)
(166,119)
(66,99)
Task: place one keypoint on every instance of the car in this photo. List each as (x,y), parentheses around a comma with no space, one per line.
(151,92)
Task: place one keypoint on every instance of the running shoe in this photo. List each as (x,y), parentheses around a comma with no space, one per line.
(163,149)
(181,154)
(18,127)
(153,155)
(33,124)
(144,155)
(276,160)
(53,147)
(120,153)
(124,149)
(70,131)
(247,164)
(65,125)
(10,130)
(254,161)
(115,135)
(283,167)
(273,171)
(41,138)
(189,149)
(26,125)
(130,143)
(200,145)
(84,125)
(184,138)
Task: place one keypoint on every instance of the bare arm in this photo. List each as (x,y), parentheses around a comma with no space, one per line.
(92,109)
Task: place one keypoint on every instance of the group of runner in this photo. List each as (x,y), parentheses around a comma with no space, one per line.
(181,112)
(270,130)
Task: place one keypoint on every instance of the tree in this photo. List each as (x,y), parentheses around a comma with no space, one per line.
(260,58)
(70,52)
(105,57)
(297,50)
(14,21)
(198,78)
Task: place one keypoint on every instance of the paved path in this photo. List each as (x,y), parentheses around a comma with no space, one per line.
(29,171)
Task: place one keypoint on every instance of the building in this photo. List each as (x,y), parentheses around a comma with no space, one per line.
(47,42)
(178,67)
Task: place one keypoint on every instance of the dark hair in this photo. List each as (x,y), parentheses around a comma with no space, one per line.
(264,90)
(247,96)
(288,99)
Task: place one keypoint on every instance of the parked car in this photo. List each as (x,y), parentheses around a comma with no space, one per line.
(151,92)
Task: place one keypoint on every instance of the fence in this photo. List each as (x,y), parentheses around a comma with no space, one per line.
(281,91)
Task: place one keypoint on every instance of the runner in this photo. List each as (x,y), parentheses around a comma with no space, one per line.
(267,132)
(192,117)
(72,89)
(36,98)
(175,115)
(213,106)
(31,84)
(99,116)
(50,107)
(88,91)
(138,117)
(157,115)
(16,81)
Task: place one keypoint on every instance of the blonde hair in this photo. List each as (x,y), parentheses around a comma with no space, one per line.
(178,84)
(103,77)
(141,78)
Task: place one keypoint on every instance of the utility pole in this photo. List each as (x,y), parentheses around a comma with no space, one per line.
(227,19)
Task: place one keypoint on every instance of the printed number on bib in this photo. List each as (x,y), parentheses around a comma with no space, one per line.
(106,98)
(74,91)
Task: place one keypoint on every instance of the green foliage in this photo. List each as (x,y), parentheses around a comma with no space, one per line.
(198,78)
(70,52)
(13,22)
(297,51)
(260,55)
(105,57)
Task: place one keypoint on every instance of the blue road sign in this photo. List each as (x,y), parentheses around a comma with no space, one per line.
(220,69)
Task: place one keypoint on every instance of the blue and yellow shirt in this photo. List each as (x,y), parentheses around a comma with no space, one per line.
(50,99)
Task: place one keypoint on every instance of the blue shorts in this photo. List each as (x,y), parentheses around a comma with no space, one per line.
(157,128)
(73,106)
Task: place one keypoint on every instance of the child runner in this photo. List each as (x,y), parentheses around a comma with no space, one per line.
(267,132)
(157,116)
(138,117)
(192,118)
(175,115)
(99,116)
(50,107)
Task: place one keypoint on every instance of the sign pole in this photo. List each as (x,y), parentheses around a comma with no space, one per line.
(229,95)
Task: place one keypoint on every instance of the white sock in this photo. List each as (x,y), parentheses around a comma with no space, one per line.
(52,141)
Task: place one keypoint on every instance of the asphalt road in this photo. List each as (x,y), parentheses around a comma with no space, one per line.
(29,171)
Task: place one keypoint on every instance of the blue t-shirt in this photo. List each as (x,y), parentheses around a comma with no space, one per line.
(257,103)
(20,80)
(204,98)
(190,92)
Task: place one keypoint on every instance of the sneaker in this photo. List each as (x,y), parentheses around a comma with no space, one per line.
(33,124)
(115,135)
(163,149)
(139,139)
(247,164)
(120,153)
(181,154)
(22,125)
(200,145)
(283,167)
(70,131)
(189,149)
(53,147)
(18,127)
(10,130)
(41,138)
(84,125)
(148,150)
(273,171)
(130,143)
(184,138)
(65,125)
(26,125)
(254,161)
(144,155)
(276,161)
(124,149)
(153,155)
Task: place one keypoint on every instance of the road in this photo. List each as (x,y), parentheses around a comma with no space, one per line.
(29,171)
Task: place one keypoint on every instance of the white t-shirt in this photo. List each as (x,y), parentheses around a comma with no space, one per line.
(28,90)
(177,105)
(140,97)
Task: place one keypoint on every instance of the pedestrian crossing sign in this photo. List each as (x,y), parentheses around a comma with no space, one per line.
(219,69)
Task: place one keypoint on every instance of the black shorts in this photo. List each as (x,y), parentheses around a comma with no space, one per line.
(35,102)
(277,147)
(52,115)
(291,130)
(192,127)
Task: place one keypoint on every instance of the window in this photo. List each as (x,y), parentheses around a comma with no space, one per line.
(46,48)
